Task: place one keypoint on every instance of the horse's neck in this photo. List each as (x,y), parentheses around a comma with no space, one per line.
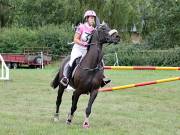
(91,60)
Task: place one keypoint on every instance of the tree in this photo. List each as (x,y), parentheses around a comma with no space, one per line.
(34,13)
(166,29)
(5,9)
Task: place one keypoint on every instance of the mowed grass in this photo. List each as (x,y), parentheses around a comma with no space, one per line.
(27,105)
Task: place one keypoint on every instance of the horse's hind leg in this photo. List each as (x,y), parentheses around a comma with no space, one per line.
(93,96)
(75,99)
(58,102)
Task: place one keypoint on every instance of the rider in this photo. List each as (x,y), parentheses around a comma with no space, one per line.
(81,39)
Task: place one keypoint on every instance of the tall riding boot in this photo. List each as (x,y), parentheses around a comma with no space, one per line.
(67,76)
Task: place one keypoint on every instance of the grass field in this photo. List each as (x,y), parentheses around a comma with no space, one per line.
(27,105)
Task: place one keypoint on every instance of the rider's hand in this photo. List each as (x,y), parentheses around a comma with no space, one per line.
(84,43)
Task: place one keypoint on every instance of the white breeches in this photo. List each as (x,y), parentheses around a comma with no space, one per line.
(77,51)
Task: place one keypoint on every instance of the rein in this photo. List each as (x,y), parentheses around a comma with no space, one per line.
(97,68)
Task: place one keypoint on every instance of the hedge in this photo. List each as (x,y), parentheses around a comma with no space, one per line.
(139,56)
(13,40)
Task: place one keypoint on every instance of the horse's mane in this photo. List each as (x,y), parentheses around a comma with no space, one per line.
(101,26)
(90,40)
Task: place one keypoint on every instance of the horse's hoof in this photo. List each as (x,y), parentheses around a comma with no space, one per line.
(86,125)
(56,117)
(68,122)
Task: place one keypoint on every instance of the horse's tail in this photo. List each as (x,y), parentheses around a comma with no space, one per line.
(55,82)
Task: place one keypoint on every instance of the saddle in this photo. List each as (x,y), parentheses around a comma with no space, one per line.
(74,66)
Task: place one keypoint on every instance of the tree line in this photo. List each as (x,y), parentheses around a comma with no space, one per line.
(156,20)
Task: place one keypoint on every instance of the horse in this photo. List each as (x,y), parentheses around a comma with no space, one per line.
(88,75)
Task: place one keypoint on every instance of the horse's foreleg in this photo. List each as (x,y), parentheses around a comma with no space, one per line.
(75,99)
(93,96)
(58,102)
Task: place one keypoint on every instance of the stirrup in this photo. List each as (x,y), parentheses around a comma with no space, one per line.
(64,83)
(104,82)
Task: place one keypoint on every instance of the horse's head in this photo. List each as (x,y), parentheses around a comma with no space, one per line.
(107,35)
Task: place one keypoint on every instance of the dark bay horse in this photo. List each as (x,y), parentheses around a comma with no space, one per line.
(89,73)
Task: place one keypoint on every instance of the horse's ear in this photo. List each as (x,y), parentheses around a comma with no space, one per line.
(103,22)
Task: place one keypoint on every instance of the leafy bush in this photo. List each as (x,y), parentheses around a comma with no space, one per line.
(13,40)
(55,37)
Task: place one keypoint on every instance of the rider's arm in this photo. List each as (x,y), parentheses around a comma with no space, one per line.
(77,38)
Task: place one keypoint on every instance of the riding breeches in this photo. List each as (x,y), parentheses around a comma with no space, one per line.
(77,51)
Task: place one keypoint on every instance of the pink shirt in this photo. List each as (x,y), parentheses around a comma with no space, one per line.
(85,31)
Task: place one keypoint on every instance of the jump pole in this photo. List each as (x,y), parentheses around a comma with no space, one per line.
(139,84)
(140,68)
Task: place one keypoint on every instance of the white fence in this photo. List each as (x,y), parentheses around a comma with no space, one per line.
(4,70)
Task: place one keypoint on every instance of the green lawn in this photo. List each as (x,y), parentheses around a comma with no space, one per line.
(27,105)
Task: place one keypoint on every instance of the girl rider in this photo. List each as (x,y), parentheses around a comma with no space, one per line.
(81,40)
